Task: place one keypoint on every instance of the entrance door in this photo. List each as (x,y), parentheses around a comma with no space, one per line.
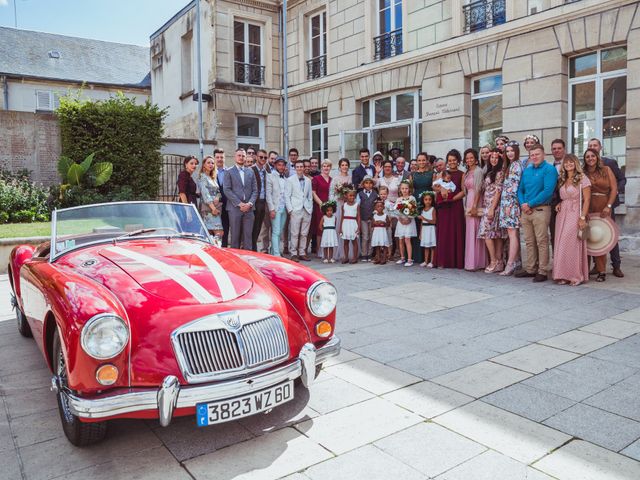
(351,141)
(384,139)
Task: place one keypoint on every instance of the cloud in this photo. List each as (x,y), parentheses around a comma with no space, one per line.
(4,3)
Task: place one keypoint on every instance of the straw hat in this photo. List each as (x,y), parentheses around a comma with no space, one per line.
(603,235)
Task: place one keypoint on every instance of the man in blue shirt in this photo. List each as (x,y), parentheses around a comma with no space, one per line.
(535,191)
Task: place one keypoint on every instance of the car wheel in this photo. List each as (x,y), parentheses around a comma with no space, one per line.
(80,434)
(23,325)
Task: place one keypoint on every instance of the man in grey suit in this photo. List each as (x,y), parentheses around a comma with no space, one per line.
(241,190)
(299,203)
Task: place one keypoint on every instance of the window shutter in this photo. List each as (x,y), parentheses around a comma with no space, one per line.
(43,101)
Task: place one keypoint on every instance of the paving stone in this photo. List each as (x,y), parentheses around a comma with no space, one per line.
(482,378)
(580,460)
(539,329)
(335,393)
(27,431)
(10,466)
(402,347)
(596,426)
(428,365)
(611,327)
(365,463)
(352,339)
(498,342)
(578,341)
(185,440)
(626,351)
(534,358)
(372,376)
(588,366)
(272,456)
(630,315)
(344,356)
(491,465)
(428,399)
(295,411)
(430,448)
(125,438)
(146,465)
(621,399)
(529,402)
(30,401)
(357,425)
(512,435)
(566,384)
(633,450)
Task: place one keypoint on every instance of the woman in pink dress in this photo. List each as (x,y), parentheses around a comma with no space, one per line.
(320,185)
(475,255)
(570,262)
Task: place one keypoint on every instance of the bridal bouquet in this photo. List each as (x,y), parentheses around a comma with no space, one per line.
(408,208)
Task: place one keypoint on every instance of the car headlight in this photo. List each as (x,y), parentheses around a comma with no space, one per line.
(322,298)
(104,336)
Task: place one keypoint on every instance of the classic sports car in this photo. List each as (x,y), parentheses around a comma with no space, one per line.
(140,315)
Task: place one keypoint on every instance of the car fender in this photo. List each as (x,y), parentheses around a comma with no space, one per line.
(18,257)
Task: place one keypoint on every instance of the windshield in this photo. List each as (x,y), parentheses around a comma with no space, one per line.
(120,221)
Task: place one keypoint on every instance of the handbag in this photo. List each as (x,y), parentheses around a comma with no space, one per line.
(583,234)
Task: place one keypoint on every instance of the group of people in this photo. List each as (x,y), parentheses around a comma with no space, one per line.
(463,211)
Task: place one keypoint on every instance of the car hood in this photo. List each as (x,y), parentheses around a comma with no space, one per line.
(183,271)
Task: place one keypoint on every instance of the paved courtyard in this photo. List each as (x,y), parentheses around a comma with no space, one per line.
(444,374)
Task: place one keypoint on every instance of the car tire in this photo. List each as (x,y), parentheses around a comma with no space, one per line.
(78,433)
(23,325)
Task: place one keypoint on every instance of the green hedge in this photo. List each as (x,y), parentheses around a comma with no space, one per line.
(118,131)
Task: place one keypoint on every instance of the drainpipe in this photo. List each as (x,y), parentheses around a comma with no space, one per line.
(199,70)
(285,81)
(5,92)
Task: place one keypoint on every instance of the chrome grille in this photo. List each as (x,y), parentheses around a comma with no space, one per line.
(214,352)
(264,341)
(210,351)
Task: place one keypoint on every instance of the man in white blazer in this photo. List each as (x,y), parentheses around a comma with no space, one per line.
(276,186)
(299,202)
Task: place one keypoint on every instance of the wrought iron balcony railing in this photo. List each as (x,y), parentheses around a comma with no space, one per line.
(483,14)
(387,45)
(249,73)
(317,67)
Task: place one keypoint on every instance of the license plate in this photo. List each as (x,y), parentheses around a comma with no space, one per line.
(239,407)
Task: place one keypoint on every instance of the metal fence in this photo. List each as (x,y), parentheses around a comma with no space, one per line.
(171,167)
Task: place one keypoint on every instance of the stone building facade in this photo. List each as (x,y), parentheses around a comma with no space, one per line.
(425,75)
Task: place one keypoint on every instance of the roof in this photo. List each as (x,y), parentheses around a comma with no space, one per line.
(170,22)
(25,53)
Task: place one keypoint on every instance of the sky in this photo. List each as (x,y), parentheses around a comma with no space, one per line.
(122,21)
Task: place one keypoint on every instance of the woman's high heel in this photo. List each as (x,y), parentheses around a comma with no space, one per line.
(511,267)
(491,268)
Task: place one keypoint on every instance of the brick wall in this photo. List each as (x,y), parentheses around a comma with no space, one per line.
(32,141)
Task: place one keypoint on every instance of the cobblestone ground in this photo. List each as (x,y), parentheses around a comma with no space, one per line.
(444,374)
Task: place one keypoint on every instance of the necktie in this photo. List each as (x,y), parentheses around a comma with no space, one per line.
(282,175)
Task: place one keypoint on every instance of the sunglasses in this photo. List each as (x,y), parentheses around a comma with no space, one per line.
(262,156)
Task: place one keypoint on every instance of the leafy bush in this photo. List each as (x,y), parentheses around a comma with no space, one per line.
(119,131)
(21,200)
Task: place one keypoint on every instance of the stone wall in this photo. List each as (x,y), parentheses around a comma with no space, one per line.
(31,141)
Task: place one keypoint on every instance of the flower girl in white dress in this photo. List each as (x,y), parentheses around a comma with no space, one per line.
(328,226)
(379,237)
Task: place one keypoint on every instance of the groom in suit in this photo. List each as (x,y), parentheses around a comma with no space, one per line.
(241,190)
(299,203)
(365,169)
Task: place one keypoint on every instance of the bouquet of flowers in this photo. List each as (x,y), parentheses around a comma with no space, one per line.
(341,190)
(407,208)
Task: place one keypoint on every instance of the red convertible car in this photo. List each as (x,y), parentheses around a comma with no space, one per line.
(140,315)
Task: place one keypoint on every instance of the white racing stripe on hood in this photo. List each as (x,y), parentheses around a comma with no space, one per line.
(186,282)
(227,290)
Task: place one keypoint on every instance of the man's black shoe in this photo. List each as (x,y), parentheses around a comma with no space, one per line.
(524,274)
(540,278)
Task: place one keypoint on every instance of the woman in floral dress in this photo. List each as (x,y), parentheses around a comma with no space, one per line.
(342,178)
(490,229)
(510,206)
(210,197)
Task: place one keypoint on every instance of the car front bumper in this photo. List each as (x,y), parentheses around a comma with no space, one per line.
(171,395)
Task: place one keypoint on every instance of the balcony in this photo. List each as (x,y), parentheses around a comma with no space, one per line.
(387,45)
(249,73)
(483,14)
(317,67)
